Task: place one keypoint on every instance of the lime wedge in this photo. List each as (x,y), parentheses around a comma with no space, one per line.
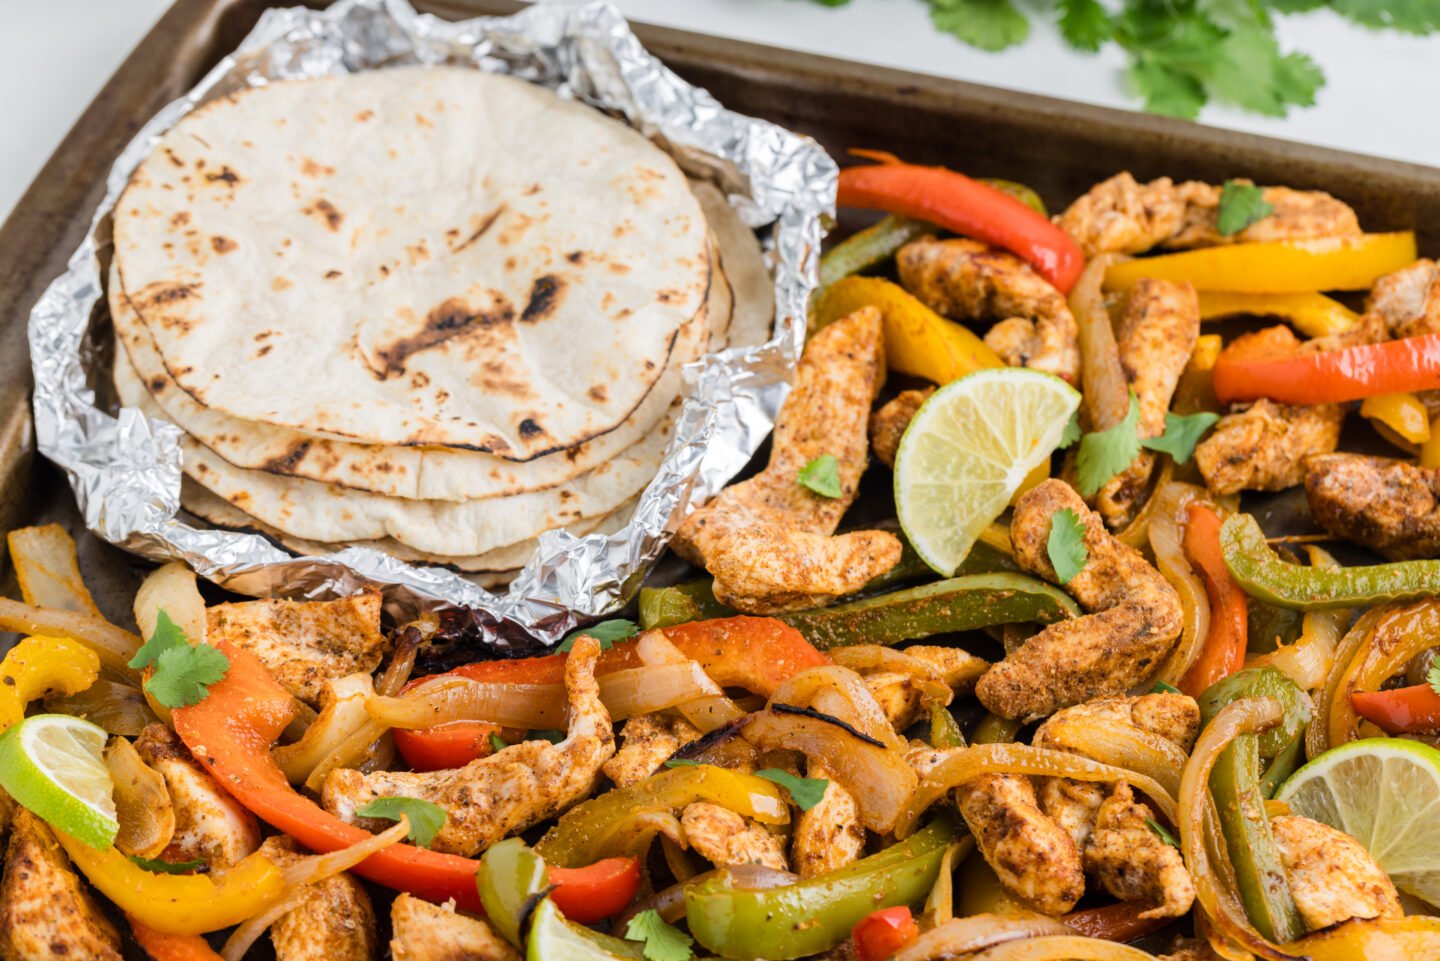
(1385,793)
(552,938)
(54,766)
(968,450)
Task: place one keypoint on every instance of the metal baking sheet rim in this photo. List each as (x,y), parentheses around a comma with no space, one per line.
(125,469)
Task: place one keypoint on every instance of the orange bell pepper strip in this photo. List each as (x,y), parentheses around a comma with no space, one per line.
(952,200)
(1402,710)
(598,891)
(881,933)
(1223,652)
(1120,921)
(1314,315)
(171,947)
(1279,267)
(1335,376)
(445,746)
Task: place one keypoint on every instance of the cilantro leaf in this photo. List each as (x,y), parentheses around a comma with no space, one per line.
(681,762)
(822,475)
(1085,24)
(606,632)
(1182,433)
(987,24)
(1241,204)
(426,819)
(183,674)
(663,942)
(1066,544)
(832,3)
(1408,16)
(1108,452)
(1072,431)
(167,635)
(1432,677)
(1161,833)
(1163,688)
(806,792)
(497,744)
(552,735)
(1165,90)
(168,867)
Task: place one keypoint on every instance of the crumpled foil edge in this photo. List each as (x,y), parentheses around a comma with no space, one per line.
(125,469)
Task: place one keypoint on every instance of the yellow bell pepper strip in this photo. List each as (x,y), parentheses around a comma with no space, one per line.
(40,666)
(1281,267)
(918,341)
(1378,939)
(1402,414)
(179,903)
(1332,376)
(812,916)
(1430,450)
(1314,315)
(583,833)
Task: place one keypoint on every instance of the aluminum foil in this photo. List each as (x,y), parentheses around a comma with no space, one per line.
(125,469)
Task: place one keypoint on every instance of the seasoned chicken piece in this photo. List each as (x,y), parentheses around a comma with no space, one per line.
(966,280)
(1189,949)
(1390,506)
(1408,301)
(1072,804)
(1175,717)
(210,825)
(1332,877)
(1264,446)
(1122,216)
(767,539)
(721,836)
(1030,854)
(333,922)
(957,667)
(7,811)
(646,742)
(304,643)
(422,931)
(887,425)
(829,835)
(1133,622)
(496,796)
(1157,335)
(1132,862)
(897,696)
(45,912)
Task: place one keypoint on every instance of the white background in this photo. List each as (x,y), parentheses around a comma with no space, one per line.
(1383,95)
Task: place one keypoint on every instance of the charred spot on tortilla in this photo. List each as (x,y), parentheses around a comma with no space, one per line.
(444,322)
(223,245)
(486,223)
(288,461)
(158,385)
(224,175)
(544,298)
(333,274)
(170,155)
(528,428)
(310,168)
(598,393)
(325,210)
(281,283)
(576,256)
(180,219)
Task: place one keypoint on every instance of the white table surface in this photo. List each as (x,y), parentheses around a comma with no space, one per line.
(56,54)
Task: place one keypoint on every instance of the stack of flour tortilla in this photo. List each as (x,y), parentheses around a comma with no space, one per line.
(425,309)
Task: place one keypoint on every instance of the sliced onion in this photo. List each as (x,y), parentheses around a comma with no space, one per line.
(962,936)
(1171,501)
(964,764)
(940,903)
(171,588)
(840,693)
(1122,746)
(877,777)
(1137,533)
(115,646)
(1398,636)
(402,661)
(48,570)
(724,747)
(350,752)
(1068,947)
(142,801)
(1318,736)
(1198,827)
(708,713)
(343,714)
(874,657)
(305,871)
(1106,389)
(118,708)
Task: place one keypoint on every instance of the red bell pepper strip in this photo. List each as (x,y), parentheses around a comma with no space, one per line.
(954,201)
(1120,921)
(1334,376)
(445,746)
(592,893)
(1223,652)
(882,933)
(1403,710)
(161,946)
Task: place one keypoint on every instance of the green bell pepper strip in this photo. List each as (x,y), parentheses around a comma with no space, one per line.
(944,729)
(1259,875)
(1264,575)
(812,916)
(1261,682)
(994,729)
(510,877)
(583,833)
(1284,765)
(870,247)
(956,604)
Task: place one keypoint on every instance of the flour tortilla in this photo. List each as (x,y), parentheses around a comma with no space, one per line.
(415,473)
(413,256)
(503,560)
(751,285)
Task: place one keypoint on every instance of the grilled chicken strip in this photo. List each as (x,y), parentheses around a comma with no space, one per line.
(1120,215)
(1031,854)
(646,742)
(422,931)
(1264,446)
(333,922)
(767,539)
(887,425)
(45,912)
(1388,505)
(1133,622)
(722,837)
(304,643)
(966,280)
(1132,862)
(829,835)
(1408,301)
(1157,335)
(1331,875)
(493,797)
(210,825)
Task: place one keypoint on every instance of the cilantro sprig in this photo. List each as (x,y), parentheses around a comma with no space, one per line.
(1066,545)
(806,792)
(606,632)
(182,672)
(1103,454)
(663,942)
(1432,677)
(1159,831)
(822,475)
(1241,204)
(155,866)
(426,819)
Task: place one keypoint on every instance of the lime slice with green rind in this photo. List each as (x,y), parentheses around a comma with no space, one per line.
(53,765)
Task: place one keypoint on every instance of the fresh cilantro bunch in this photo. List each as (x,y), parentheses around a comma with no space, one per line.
(1185,53)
